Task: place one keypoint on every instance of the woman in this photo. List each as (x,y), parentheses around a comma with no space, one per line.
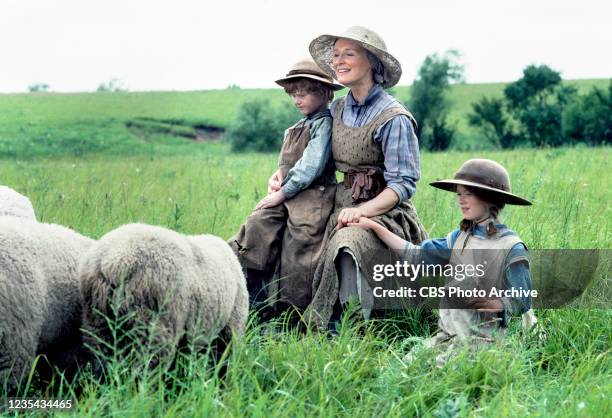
(374,145)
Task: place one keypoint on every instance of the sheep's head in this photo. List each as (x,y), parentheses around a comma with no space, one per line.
(15,204)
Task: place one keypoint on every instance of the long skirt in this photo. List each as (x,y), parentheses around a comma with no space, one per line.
(362,244)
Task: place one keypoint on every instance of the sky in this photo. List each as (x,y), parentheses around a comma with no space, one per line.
(74,45)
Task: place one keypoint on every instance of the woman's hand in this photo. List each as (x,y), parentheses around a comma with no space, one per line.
(386,236)
(349,215)
(275,181)
(365,223)
(271,200)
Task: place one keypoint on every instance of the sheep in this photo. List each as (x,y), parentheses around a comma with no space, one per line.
(169,291)
(40,302)
(15,204)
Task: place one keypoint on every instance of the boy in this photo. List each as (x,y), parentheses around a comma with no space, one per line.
(300,197)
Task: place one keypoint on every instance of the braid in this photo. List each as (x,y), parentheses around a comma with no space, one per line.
(466,225)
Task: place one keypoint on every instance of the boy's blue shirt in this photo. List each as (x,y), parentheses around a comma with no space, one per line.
(516,275)
(315,157)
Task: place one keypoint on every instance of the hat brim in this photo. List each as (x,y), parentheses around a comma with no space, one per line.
(507,197)
(331,84)
(321,49)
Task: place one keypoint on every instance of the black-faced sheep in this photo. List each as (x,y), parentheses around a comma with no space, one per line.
(171,290)
(40,302)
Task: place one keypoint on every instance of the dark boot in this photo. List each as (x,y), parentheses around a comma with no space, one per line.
(257,287)
(334,322)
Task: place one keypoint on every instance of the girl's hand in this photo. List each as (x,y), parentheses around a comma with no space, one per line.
(274,182)
(271,200)
(365,223)
(349,215)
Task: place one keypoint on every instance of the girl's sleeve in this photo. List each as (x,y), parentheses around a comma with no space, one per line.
(430,251)
(517,275)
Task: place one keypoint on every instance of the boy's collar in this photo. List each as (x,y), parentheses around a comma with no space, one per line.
(322,111)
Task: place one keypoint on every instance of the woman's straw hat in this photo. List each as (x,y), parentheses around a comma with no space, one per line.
(307,68)
(486,175)
(321,49)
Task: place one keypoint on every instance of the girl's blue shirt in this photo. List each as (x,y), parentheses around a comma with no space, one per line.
(516,274)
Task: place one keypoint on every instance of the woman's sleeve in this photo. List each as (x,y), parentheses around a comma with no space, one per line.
(400,147)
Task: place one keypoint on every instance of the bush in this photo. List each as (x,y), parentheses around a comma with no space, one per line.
(589,119)
(260,127)
(439,136)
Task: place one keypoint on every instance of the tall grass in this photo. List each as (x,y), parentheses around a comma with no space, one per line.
(360,372)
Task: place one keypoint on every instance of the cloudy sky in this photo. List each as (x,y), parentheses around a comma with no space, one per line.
(74,45)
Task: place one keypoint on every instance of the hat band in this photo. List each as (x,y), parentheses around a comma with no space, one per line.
(482,180)
(308,72)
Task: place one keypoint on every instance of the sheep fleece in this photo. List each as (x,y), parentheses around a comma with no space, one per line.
(40,301)
(15,204)
(194,282)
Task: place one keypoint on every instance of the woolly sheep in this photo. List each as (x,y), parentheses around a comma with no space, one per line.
(40,305)
(183,291)
(15,204)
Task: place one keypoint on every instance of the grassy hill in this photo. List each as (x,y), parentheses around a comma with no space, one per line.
(157,122)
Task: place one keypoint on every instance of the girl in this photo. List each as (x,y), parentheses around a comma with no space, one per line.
(483,189)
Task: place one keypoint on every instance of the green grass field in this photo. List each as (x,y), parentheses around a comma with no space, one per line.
(55,124)
(359,373)
(96,161)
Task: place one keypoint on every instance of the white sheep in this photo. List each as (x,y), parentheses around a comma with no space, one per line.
(172,290)
(40,303)
(15,204)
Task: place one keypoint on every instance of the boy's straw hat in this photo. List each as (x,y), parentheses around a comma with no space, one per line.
(485,175)
(307,68)
(321,49)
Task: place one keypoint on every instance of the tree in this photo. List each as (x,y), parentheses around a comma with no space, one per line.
(429,102)
(38,88)
(533,106)
(259,126)
(589,119)
(113,86)
(489,115)
(537,100)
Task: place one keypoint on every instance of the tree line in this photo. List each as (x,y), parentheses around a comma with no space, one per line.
(536,110)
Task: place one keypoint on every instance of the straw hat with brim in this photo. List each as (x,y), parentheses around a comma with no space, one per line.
(307,68)
(486,175)
(322,51)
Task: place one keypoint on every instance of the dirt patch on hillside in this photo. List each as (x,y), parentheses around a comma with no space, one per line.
(144,128)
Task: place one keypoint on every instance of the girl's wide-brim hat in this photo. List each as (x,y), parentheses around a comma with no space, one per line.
(486,175)
(322,51)
(307,68)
